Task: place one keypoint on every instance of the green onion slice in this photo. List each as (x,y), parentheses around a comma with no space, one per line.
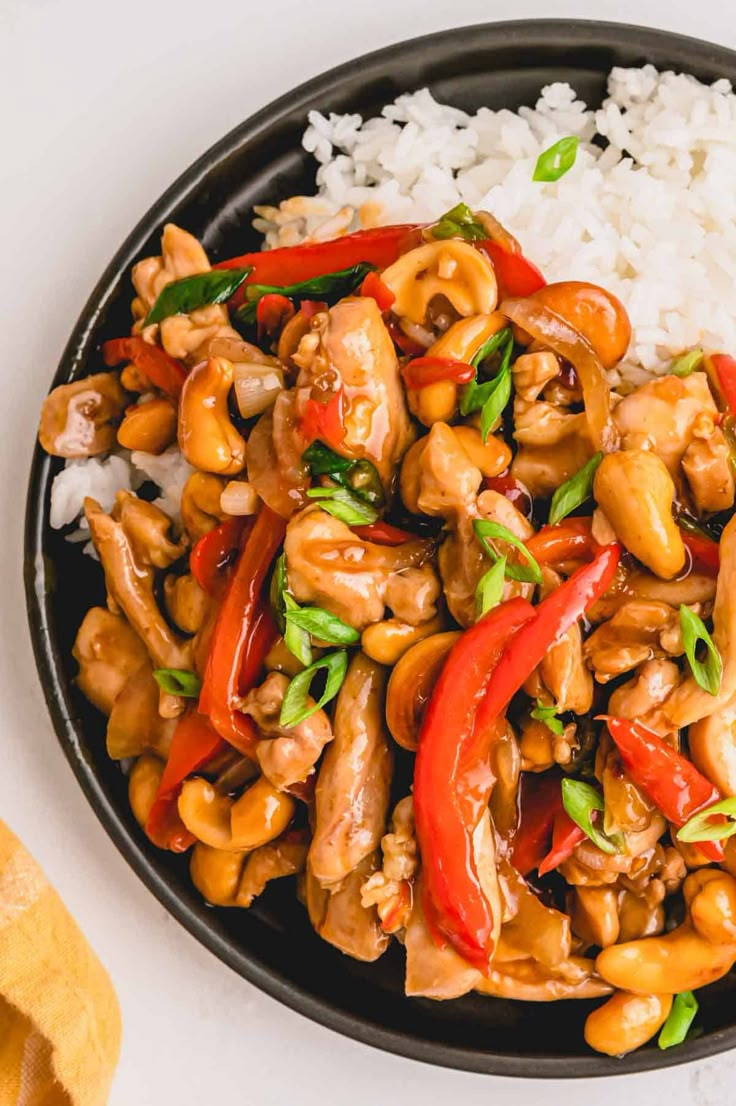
(548,715)
(500,339)
(490,398)
(296,639)
(574,491)
(344,505)
(489,590)
(581,801)
(360,477)
(331,286)
(276,591)
(688,363)
(557,160)
(322,625)
(700,827)
(707,673)
(178,681)
(459,222)
(184,296)
(323,461)
(485,530)
(294,708)
(680,1018)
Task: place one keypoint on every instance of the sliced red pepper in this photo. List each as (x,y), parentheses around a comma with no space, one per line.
(374,287)
(324,421)
(512,489)
(667,778)
(516,275)
(571,539)
(423,371)
(704,552)
(163,371)
(292,264)
(546,835)
(242,636)
(452,784)
(383,533)
(213,551)
(194,744)
(272,312)
(554,616)
(408,346)
(725,367)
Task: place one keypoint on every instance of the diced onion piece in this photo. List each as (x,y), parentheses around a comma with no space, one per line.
(256,387)
(239,497)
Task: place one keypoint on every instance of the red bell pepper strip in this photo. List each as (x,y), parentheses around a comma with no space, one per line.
(213,551)
(667,778)
(516,275)
(163,371)
(293,264)
(242,635)
(194,744)
(552,618)
(272,312)
(452,784)
(725,367)
(374,287)
(324,421)
(546,835)
(423,371)
(383,533)
(704,552)
(571,539)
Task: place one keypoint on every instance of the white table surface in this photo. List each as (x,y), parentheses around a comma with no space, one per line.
(103,106)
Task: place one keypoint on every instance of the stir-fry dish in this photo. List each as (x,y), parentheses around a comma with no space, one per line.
(443,625)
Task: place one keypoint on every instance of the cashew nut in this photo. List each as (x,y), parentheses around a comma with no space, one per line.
(491,456)
(143,783)
(711,898)
(626,1021)
(260,814)
(411,684)
(207,437)
(450,268)
(636,492)
(387,641)
(681,960)
(201,509)
(149,426)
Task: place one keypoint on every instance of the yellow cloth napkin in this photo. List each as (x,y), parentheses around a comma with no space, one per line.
(59,1017)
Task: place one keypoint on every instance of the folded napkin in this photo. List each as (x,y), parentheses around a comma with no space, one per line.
(59,1017)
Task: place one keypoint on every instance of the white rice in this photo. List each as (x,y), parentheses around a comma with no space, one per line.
(652,216)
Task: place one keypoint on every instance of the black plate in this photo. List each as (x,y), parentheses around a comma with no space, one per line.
(272,945)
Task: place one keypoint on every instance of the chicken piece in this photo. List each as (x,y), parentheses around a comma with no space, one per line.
(389,889)
(287,755)
(272,861)
(448,481)
(129,577)
(640,630)
(340,918)
(350,346)
(135,725)
(80,419)
(182,336)
(689,702)
(108,652)
(563,669)
(539,424)
(352,796)
(462,560)
(664,415)
(147,529)
(646,691)
(431,971)
(532,372)
(354,579)
(543,468)
(627,810)
(693,589)
(708,466)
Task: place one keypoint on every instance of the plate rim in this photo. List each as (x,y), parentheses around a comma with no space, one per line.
(522,32)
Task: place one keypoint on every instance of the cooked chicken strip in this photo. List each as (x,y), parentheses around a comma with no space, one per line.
(351,802)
